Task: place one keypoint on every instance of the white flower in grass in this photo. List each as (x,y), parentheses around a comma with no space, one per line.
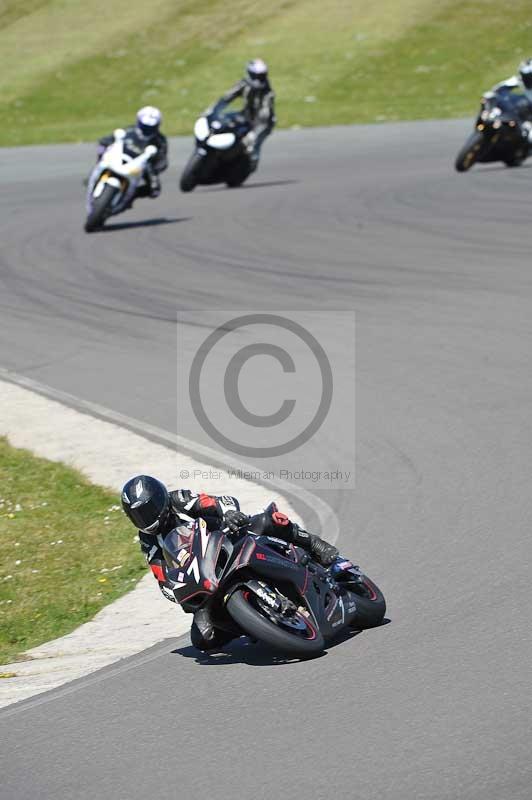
(35,571)
(17,562)
(310,98)
(8,577)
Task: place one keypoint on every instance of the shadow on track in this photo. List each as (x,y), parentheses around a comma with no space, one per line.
(143,223)
(255,654)
(260,185)
(487,169)
(240,651)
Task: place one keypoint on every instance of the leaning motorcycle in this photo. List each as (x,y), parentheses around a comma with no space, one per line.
(221,152)
(269,590)
(114,181)
(498,134)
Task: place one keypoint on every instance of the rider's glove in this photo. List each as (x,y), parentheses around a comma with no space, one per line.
(234,520)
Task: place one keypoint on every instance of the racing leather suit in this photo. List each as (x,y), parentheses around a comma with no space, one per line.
(185,505)
(258,110)
(135,144)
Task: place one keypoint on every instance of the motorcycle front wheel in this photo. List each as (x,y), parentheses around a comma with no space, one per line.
(470,152)
(190,176)
(294,636)
(100,209)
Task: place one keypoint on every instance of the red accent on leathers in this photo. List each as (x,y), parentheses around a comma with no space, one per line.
(158,572)
(280,519)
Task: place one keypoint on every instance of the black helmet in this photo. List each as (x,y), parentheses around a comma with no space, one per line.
(257,71)
(525,71)
(146,502)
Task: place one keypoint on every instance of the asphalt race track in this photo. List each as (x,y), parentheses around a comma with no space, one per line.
(435,705)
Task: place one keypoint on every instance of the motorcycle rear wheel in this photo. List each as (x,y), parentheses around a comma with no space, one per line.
(100,209)
(238,172)
(257,625)
(469,153)
(370,603)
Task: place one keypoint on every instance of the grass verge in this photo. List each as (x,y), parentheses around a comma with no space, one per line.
(73,71)
(66,550)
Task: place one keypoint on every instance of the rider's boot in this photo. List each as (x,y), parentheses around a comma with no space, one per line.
(323,552)
(204,636)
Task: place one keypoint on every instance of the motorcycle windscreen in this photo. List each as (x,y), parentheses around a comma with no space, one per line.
(177,546)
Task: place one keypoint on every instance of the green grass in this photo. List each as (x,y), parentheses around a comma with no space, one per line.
(72,71)
(66,550)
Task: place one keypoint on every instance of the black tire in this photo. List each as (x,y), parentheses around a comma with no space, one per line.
(514,162)
(238,173)
(257,626)
(100,209)
(470,152)
(189,178)
(371,605)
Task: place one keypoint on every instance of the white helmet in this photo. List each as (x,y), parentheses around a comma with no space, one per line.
(148,120)
(257,71)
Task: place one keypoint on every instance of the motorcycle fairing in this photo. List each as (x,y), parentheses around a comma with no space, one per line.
(206,565)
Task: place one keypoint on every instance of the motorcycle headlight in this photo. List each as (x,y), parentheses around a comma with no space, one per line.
(201,129)
(494,113)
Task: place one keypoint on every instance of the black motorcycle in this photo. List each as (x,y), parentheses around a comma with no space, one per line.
(220,155)
(260,586)
(498,134)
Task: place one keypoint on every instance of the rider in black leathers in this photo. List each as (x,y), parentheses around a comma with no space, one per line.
(156,512)
(256,91)
(138,137)
(519,89)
